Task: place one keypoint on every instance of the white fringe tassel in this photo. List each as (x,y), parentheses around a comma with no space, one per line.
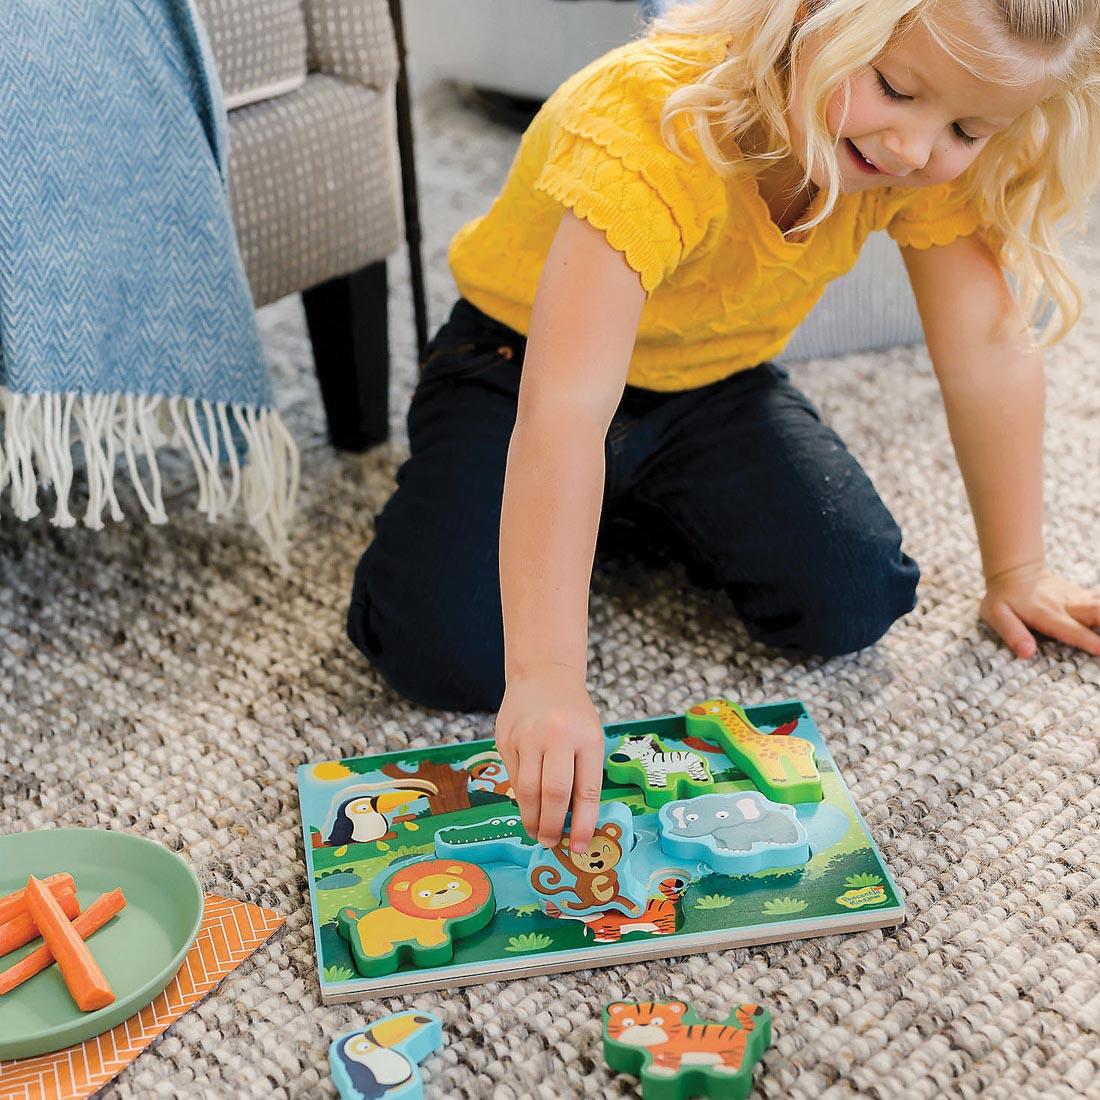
(38,433)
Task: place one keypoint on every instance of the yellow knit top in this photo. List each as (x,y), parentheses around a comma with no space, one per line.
(725,289)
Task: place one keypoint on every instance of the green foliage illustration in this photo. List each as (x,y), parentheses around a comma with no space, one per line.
(857,882)
(782,907)
(713,901)
(529,941)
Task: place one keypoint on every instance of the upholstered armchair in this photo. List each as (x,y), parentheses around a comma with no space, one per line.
(316,177)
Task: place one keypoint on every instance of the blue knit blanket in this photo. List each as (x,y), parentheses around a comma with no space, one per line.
(126,322)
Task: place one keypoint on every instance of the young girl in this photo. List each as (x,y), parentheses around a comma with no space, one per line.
(673,213)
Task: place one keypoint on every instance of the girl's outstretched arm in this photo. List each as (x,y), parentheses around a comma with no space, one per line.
(991,377)
(583,325)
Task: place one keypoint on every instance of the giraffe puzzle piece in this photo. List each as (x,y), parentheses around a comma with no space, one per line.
(679,1055)
(783,768)
(737,833)
(595,881)
(428,906)
(382,1060)
(644,761)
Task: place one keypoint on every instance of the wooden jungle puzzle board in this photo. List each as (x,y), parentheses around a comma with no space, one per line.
(700,852)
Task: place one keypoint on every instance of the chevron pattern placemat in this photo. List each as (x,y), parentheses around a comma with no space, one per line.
(230,932)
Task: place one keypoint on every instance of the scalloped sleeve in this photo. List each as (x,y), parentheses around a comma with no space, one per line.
(608,163)
(922,217)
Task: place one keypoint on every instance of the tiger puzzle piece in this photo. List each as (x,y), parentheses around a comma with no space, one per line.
(594,881)
(663,775)
(428,906)
(783,768)
(736,833)
(382,1060)
(679,1055)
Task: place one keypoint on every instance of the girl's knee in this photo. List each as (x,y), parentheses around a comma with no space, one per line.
(831,613)
(426,648)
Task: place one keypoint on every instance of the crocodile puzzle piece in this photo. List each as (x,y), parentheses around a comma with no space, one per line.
(498,840)
(382,1060)
(783,768)
(679,1055)
(736,833)
(663,775)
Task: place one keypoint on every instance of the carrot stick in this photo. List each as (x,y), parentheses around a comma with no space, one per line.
(22,929)
(88,985)
(13,904)
(91,920)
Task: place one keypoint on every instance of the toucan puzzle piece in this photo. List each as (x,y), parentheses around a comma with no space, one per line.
(679,1055)
(428,905)
(735,833)
(783,768)
(663,775)
(383,1059)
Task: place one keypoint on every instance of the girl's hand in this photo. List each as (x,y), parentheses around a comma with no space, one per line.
(1032,596)
(551,741)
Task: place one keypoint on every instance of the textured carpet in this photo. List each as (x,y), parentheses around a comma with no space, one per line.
(168,681)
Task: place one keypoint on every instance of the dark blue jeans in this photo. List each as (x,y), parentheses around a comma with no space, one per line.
(740,478)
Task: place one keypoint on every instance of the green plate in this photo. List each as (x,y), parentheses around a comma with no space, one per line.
(139,951)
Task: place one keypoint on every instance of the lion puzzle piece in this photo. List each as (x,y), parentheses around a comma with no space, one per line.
(783,768)
(428,905)
(678,1055)
(737,833)
(382,1060)
(663,775)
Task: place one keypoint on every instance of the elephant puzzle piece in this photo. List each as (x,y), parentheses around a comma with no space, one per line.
(783,768)
(679,1055)
(382,1060)
(427,906)
(584,884)
(737,833)
(663,775)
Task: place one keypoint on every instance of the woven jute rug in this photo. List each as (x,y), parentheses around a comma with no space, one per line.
(168,681)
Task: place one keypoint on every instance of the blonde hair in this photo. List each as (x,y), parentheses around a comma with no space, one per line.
(1029,177)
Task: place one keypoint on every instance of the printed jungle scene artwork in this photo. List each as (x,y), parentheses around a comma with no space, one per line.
(721,825)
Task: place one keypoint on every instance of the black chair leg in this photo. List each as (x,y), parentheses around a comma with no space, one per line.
(348,327)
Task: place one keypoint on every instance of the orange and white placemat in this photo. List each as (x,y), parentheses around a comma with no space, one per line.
(230,932)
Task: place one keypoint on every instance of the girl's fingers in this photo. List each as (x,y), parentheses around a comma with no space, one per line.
(1086,611)
(1069,630)
(587,784)
(528,787)
(557,786)
(1011,628)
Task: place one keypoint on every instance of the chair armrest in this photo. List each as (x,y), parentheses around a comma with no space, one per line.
(352,39)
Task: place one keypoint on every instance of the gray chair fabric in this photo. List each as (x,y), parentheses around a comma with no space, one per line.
(314,173)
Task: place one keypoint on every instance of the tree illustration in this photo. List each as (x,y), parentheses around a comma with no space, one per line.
(451,782)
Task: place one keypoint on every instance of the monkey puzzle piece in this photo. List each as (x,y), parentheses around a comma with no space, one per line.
(663,775)
(382,1060)
(427,906)
(678,1055)
(737,833)
(497,840)
(594,881)
(783,768)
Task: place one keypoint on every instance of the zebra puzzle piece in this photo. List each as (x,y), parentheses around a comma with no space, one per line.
(679,1055)
(783,768)
(737,833)
(644,761)
(428,905)
(382,1060)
